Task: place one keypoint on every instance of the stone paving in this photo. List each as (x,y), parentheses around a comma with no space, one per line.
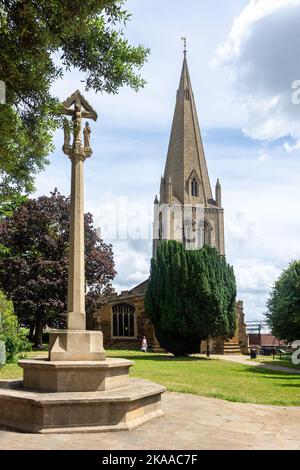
(190,422)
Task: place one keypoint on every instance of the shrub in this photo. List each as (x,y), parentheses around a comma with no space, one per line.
(14,337)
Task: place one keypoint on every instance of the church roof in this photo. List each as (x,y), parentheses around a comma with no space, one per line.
(137,291)
(186,156)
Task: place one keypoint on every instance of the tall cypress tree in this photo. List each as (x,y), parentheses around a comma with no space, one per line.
(191,296)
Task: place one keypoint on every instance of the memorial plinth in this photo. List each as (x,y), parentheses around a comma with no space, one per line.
(73,345)
(77,389)
(76,376)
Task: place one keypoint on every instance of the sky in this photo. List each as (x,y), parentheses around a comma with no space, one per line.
(244,64)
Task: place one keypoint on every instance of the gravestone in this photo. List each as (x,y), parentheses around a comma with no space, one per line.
(2,353)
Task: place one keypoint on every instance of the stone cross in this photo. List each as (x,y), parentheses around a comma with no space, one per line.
(77,107)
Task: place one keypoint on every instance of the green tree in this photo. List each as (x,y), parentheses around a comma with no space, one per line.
(40,40)
(8,207)
(190,297)
(34,266)
(284,304)
(14,337)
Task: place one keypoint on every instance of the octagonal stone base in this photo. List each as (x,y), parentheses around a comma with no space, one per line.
(113,410)
(75,376)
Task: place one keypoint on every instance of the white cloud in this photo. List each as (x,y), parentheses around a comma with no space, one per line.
(292,148)
(254,275)
(241,29)
(263,60)
(132,265)
(262,156)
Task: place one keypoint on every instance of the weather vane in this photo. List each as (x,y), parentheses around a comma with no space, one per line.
(183,38)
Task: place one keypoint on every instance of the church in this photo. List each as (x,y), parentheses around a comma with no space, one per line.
(186,211)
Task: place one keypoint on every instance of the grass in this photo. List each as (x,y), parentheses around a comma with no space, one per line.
(13,371)
(10,371)
(207,377)
(216,378)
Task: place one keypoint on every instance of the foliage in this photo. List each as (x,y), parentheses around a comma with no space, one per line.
(40,40)
(8,207)
(190,297)
(15,338)
(34,271)
(284,304)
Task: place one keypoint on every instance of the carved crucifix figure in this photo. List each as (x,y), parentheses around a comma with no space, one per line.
(67,133)
(76,118)
(87,136)
(78,108)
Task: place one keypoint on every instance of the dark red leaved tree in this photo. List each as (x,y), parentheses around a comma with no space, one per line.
(34,263)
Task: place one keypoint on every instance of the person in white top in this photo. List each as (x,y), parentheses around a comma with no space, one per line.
(144,346)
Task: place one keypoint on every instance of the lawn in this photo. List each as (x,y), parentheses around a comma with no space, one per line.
(207,377)
(10,371)
(216,378)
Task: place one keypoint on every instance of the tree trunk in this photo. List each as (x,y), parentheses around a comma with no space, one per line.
(31,332)
(38,335)
(207,347)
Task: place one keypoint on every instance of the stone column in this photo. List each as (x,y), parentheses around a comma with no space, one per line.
(76,279)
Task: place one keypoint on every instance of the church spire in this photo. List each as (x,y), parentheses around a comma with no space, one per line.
(186,158)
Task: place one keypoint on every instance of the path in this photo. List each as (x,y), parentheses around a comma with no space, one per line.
(190,422)
(245,361)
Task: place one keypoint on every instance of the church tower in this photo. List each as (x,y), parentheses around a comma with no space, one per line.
(187,211)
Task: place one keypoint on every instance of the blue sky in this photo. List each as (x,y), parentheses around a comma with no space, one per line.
(243,58)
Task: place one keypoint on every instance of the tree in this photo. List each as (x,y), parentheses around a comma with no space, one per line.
(40,39)
(15,339)
(34,265)
(190,297)
(284,304)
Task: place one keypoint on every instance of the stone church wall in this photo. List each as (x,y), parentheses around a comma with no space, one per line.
(143,327)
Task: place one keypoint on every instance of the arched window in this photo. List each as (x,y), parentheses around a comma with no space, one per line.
(160,229)
(123,320)
(204,234)
(207,234)
(188,234)
(194,187)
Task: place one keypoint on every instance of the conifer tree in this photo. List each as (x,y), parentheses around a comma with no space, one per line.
(190,297)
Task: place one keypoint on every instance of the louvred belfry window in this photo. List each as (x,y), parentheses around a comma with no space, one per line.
(194,188)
